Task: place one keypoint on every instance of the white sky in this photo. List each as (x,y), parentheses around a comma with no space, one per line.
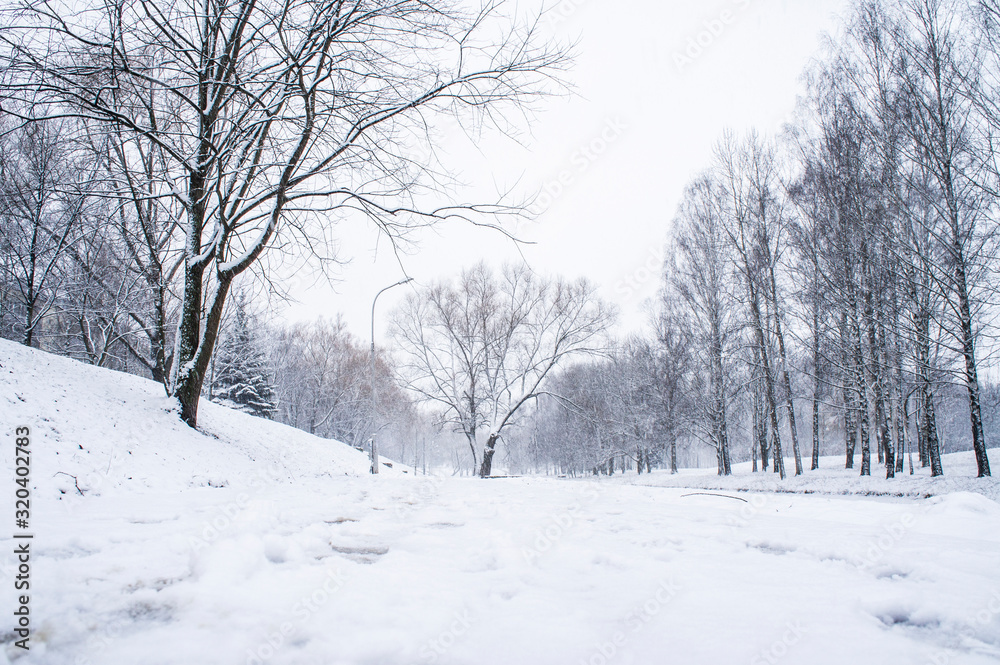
(611,222)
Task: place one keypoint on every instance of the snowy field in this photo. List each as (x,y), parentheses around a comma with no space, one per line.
(251,543)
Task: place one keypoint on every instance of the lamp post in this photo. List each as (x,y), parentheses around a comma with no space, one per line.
(374,448)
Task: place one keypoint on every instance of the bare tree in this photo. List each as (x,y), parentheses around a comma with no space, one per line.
(146,223)
(749,175)
(482,348)
(938,70)
(41,213)
(321,375)
(92,320)
(806,239)
(702,275)
(672,369)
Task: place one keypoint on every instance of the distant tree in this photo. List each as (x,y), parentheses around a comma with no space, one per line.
(481,348)
(701,273)
(42,206)
(805,238)
(634,399)
(748,172)
(323,380)
(672,370)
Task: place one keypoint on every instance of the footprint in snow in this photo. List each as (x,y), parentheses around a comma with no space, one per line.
(365,555)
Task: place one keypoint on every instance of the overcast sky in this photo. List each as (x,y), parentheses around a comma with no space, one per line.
(656,82)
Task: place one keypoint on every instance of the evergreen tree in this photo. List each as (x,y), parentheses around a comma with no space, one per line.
(240,378)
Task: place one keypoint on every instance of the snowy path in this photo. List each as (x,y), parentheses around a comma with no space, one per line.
(515,572)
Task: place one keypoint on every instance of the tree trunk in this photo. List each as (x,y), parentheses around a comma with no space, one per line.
(31,297)
(902,419)
(760,416)
(157,335)
(187,380)
(816,390)
(972,378)
(875,377)
(470,436)
(727,466)
(673,452)
(897,395)
(921,433)
(29,324)
(863,406)
(815,427)
(719,406)
(933,446)
(772,407)
(789,400)
(850,428)
(866,449)
(491,447)
(191,372)
(925,421)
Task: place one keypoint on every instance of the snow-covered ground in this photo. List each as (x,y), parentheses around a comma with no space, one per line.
(833,478)
(251,544)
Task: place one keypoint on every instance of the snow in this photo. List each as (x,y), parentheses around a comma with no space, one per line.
(120,434)
(249,543)
(832,478)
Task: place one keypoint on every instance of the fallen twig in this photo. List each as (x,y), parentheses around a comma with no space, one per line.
(75,481)
(724,496)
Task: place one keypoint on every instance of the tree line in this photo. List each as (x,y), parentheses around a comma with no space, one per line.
(837,280)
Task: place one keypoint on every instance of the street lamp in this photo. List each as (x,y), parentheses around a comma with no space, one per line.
(374,448)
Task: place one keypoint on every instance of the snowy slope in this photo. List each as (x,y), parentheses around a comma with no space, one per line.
(218,551)
(116,432)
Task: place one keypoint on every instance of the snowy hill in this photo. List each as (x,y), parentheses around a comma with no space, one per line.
(108,432)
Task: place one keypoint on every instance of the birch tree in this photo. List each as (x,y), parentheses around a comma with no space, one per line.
(748,173)
(938,69)
(702,275)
